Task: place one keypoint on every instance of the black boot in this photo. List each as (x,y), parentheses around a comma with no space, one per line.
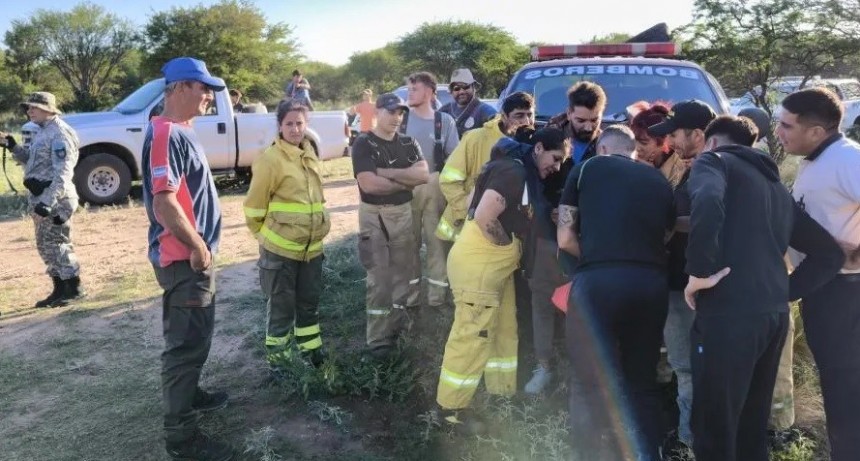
(71,290)
(55,295)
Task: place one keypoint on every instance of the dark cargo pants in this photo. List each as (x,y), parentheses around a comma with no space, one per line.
(293,290)
(188,318)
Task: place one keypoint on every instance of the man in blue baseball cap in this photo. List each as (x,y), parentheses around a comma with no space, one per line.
(185,68)
(185,227)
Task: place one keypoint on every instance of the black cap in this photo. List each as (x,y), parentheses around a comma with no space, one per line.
(691,114)
(390,101)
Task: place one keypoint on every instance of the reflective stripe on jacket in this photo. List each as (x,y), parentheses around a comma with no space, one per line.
(284,207)
(461,171)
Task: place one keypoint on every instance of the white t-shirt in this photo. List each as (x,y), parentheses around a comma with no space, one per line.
(828,188)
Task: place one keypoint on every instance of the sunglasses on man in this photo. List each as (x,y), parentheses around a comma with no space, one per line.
(460,87)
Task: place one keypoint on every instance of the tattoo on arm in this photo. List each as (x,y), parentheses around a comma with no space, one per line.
(497,233)
(501,201)
(567,216)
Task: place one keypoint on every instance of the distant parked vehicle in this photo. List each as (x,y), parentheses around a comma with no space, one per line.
(848,90)
(112,141)
(443,95)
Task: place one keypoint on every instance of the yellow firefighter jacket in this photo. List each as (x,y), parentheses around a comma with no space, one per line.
(284,207)
(460,173)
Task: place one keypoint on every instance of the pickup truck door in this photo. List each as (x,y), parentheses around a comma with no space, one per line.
(213,130)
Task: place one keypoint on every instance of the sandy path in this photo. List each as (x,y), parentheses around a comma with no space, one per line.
(111,244)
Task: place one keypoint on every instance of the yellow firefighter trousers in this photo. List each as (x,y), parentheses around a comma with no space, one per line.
(782,411)
(428,203)
(483,338)
(385,249)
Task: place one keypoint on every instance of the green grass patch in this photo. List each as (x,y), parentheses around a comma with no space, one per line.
(12,204)
(82,398)
(123,290)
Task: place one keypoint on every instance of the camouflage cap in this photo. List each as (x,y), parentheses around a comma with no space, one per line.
(42,100)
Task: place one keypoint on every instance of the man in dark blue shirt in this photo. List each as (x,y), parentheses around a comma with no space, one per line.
(614,215)
(185,226)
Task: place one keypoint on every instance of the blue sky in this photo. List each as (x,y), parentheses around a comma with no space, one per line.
(332,30)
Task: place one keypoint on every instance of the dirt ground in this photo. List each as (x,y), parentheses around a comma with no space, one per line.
(111,243)
(122,306)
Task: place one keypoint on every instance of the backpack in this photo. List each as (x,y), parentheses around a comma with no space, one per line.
(439,157)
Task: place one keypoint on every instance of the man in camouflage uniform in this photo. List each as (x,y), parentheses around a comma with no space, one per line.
(49,163)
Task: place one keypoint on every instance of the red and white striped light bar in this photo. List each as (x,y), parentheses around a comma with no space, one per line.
(651,49)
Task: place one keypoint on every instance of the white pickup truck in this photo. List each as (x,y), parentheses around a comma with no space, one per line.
(112,141)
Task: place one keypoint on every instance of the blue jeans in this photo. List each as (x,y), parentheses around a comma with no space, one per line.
(676,334)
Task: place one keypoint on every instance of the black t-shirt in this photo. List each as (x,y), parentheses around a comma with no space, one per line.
(370,152)
(625,209)
(508,178)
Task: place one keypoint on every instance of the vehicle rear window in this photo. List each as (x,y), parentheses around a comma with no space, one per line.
(624,84)
(141,98)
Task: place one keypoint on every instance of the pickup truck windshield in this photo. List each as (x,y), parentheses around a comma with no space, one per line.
(624,85)
(141,98)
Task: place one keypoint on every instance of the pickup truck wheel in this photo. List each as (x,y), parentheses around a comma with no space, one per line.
(102,179)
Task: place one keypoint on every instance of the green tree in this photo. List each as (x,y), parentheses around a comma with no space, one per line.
(489,51)
(85,45)
(749,46)
(234,40)
(25,49)
(381,70)
(327,82)
(12,88)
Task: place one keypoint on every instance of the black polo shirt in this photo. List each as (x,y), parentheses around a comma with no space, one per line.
(625,209)
(370,152)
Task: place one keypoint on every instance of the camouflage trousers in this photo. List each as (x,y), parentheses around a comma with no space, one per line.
(782,409)
(55,247)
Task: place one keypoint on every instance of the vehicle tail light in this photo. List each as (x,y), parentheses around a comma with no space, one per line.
(346,131)
(651,49)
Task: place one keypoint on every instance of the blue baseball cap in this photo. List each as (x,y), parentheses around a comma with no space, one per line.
(185,68)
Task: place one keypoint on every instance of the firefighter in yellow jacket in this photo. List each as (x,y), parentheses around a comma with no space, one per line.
(284,209)
(481,264)
(464,165)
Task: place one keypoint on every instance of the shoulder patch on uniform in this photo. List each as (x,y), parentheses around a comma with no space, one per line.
(59,149)
(159,172)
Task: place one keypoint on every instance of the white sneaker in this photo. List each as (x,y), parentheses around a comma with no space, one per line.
(540,378)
